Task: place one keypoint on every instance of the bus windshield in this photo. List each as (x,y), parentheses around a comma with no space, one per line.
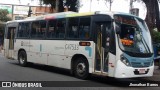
(133,36)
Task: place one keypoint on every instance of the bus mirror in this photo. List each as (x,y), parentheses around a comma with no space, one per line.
(118,29)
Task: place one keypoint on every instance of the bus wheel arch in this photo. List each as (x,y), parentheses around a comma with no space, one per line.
(22,57)
(79,60)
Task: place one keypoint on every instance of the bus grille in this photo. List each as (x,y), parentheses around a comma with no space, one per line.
(139,64)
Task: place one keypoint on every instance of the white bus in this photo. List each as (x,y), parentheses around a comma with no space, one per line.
(103,43)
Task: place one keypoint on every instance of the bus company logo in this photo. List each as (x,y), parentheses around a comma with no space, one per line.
(6,84)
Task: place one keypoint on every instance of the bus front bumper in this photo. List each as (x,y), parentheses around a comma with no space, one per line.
(123,71)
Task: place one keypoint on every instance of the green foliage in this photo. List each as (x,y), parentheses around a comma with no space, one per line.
(3,15)
(156,36)
(2,27)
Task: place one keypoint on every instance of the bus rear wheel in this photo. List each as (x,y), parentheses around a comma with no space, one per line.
(22,58)
(81,70)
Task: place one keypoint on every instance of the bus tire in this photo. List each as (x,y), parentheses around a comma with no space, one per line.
(22,58)
(81,69)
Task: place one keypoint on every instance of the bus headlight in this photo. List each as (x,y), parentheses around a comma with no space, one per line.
(124,60)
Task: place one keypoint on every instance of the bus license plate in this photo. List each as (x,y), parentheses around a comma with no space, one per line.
(141,71)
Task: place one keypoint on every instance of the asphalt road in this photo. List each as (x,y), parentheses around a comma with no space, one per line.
(11,71)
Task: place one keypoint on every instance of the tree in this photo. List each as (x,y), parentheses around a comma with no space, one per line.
(2,24)
(72,5)
(152,18)
(156,37)
(3,18)
(60,5)
(3,15)
(110,3)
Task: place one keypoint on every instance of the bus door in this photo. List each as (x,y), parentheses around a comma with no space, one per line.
(10,42)
(101,55)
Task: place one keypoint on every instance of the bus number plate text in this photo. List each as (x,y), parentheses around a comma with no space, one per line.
(141,71)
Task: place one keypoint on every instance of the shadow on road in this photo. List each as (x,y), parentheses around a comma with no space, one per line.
(46,68)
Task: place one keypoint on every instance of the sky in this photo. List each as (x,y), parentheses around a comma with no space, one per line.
(117,5)
(22,2)
(95,5)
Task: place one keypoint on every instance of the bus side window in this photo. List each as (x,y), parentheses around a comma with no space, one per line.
(23,30)
(51,29)
(72,29)
(42,30)
(20,30)
(84,28)
(27,29)
(35,27)
(60,31)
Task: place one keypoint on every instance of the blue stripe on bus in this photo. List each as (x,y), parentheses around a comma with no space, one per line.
(89,49)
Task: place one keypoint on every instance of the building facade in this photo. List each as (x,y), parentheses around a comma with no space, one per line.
(17,12)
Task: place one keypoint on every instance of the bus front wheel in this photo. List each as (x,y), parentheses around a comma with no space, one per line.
(81,70)
(22,58)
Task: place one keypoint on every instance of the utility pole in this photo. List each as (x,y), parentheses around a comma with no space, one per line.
(12,11)
(90,5)
(132,10)
(131,6)
(110,4)
(57,4)
(29,11)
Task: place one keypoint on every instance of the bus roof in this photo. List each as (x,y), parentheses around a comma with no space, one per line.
(70,14)
(112,13)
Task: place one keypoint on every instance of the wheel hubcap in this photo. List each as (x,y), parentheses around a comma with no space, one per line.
(81,68)
(21,60)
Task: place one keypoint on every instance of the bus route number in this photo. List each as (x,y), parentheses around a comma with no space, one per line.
(72,46)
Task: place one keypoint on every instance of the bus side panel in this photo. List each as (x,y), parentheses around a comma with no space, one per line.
(112,65)
(8,53)
(55,50)
(6,45)
(37,51)
(21,44)
(72,48)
